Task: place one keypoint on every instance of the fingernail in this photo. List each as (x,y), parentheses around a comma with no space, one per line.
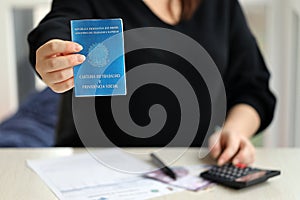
(220,162)
(80,58)
(236,161)
(78,48)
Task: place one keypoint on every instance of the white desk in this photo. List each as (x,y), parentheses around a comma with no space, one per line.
(17,181)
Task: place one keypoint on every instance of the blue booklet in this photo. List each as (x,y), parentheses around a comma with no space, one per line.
(103,71)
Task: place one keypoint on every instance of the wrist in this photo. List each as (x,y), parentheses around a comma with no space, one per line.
(237,129)
(242,119)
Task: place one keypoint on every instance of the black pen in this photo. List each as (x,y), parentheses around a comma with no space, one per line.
(164,168)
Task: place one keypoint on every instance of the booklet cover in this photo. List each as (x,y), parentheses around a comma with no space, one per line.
(103,71)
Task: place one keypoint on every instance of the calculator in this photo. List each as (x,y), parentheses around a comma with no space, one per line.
(238,176)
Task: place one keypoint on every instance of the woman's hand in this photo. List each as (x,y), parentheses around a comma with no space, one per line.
(55,61)
(227,146)
(232,143)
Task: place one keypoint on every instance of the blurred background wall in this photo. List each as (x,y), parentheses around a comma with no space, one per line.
(275,23)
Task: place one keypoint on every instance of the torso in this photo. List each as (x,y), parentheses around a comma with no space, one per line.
(137,14)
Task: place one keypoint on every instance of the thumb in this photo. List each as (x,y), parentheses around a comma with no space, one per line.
(215,144)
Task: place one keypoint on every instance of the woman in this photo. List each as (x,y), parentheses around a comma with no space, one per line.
(218,25)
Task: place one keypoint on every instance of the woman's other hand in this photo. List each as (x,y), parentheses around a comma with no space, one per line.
(227,146)
(232,143)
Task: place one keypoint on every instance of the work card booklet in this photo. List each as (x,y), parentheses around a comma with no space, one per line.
(103,71)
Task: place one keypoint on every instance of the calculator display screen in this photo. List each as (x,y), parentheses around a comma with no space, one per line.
(251,177)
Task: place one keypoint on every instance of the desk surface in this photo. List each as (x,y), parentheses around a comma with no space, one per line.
(17,181)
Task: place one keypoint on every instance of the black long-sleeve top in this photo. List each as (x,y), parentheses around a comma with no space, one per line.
(218,25)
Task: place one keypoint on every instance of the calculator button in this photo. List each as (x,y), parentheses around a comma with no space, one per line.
(241,166)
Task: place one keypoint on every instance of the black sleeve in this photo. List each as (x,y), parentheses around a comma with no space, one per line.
(247,77)
(56,24)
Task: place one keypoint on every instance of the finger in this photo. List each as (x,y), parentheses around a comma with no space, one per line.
(230,150)
(216,150)
(246,154)
(215,145)
(55,46)
(59,76)
(63,86)
(62,62)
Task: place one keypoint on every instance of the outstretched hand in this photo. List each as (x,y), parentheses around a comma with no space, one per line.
(55,61)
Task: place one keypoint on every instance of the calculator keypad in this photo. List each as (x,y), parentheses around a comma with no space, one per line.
(239,176)
(230,172)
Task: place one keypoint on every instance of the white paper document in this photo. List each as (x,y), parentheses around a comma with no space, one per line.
(82,177)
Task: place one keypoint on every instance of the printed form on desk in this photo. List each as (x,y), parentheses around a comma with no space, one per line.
(82,177)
